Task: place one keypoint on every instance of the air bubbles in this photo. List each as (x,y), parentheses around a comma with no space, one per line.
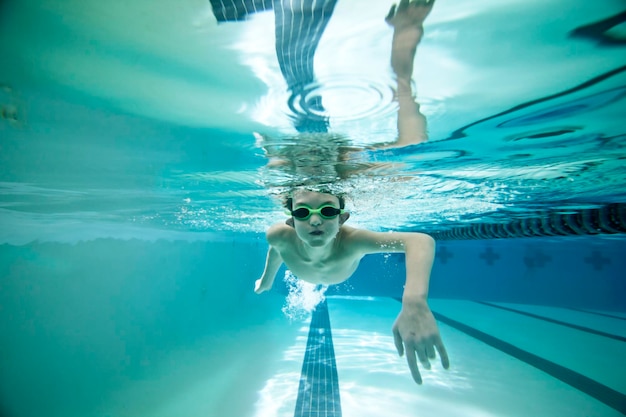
(302,297)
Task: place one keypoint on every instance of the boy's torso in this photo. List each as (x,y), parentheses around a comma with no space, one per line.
(332,269)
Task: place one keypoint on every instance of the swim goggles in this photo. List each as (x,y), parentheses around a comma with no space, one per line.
(304,212)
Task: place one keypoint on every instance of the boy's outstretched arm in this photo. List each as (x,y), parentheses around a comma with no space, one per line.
(415,330)
(273,261)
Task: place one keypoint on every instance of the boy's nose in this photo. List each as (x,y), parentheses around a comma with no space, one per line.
(315,220)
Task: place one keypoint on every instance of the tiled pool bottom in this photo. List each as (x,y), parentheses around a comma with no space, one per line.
(507,360)
(318,393)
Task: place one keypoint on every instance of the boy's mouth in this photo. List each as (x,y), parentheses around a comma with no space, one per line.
(316,233)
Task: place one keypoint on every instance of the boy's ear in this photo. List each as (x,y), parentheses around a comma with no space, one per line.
(289,222)
(343,217)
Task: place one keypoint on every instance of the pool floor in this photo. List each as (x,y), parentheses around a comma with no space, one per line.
(506,360)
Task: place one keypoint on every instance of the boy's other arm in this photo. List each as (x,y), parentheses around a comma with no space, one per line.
(273,261)
(277,236)
(415,330)
(419,249)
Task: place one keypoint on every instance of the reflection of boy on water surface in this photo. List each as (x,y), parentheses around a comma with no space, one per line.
(318,154)
(299,25)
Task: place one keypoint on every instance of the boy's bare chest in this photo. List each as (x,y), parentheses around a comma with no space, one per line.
(330,270)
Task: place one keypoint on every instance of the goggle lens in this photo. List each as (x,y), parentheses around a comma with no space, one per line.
(326,212)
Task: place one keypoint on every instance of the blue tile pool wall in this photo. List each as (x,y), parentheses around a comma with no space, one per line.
(572,272)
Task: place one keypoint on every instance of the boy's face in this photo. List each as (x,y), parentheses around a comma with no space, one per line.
(316,230)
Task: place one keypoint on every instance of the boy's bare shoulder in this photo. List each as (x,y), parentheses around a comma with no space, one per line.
(353,233)
(349,231)
(369,241)
(365,234)
(278,233)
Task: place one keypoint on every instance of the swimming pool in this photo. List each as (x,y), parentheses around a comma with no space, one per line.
(135,197)
(163,328)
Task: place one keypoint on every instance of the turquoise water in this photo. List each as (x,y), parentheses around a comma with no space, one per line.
(134,195)
(152,116)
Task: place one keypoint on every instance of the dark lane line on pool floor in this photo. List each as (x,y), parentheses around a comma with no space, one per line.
(559,322)
(318,393)
(597,313)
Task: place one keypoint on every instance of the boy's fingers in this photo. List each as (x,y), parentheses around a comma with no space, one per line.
(403,5)
(410,358)
(391,13)
(421,354)
(397,340)
(430,352)
(443,354)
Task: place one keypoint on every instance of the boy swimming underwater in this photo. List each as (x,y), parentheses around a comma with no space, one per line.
(318,248)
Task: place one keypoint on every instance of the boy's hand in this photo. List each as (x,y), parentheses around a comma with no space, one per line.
(258,286)
(415,332)
(409,14)
(407,20)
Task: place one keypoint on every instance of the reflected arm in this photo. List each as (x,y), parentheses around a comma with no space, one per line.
(412,127)
(407,21)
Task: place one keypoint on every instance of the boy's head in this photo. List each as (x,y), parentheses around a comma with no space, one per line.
(316,216)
